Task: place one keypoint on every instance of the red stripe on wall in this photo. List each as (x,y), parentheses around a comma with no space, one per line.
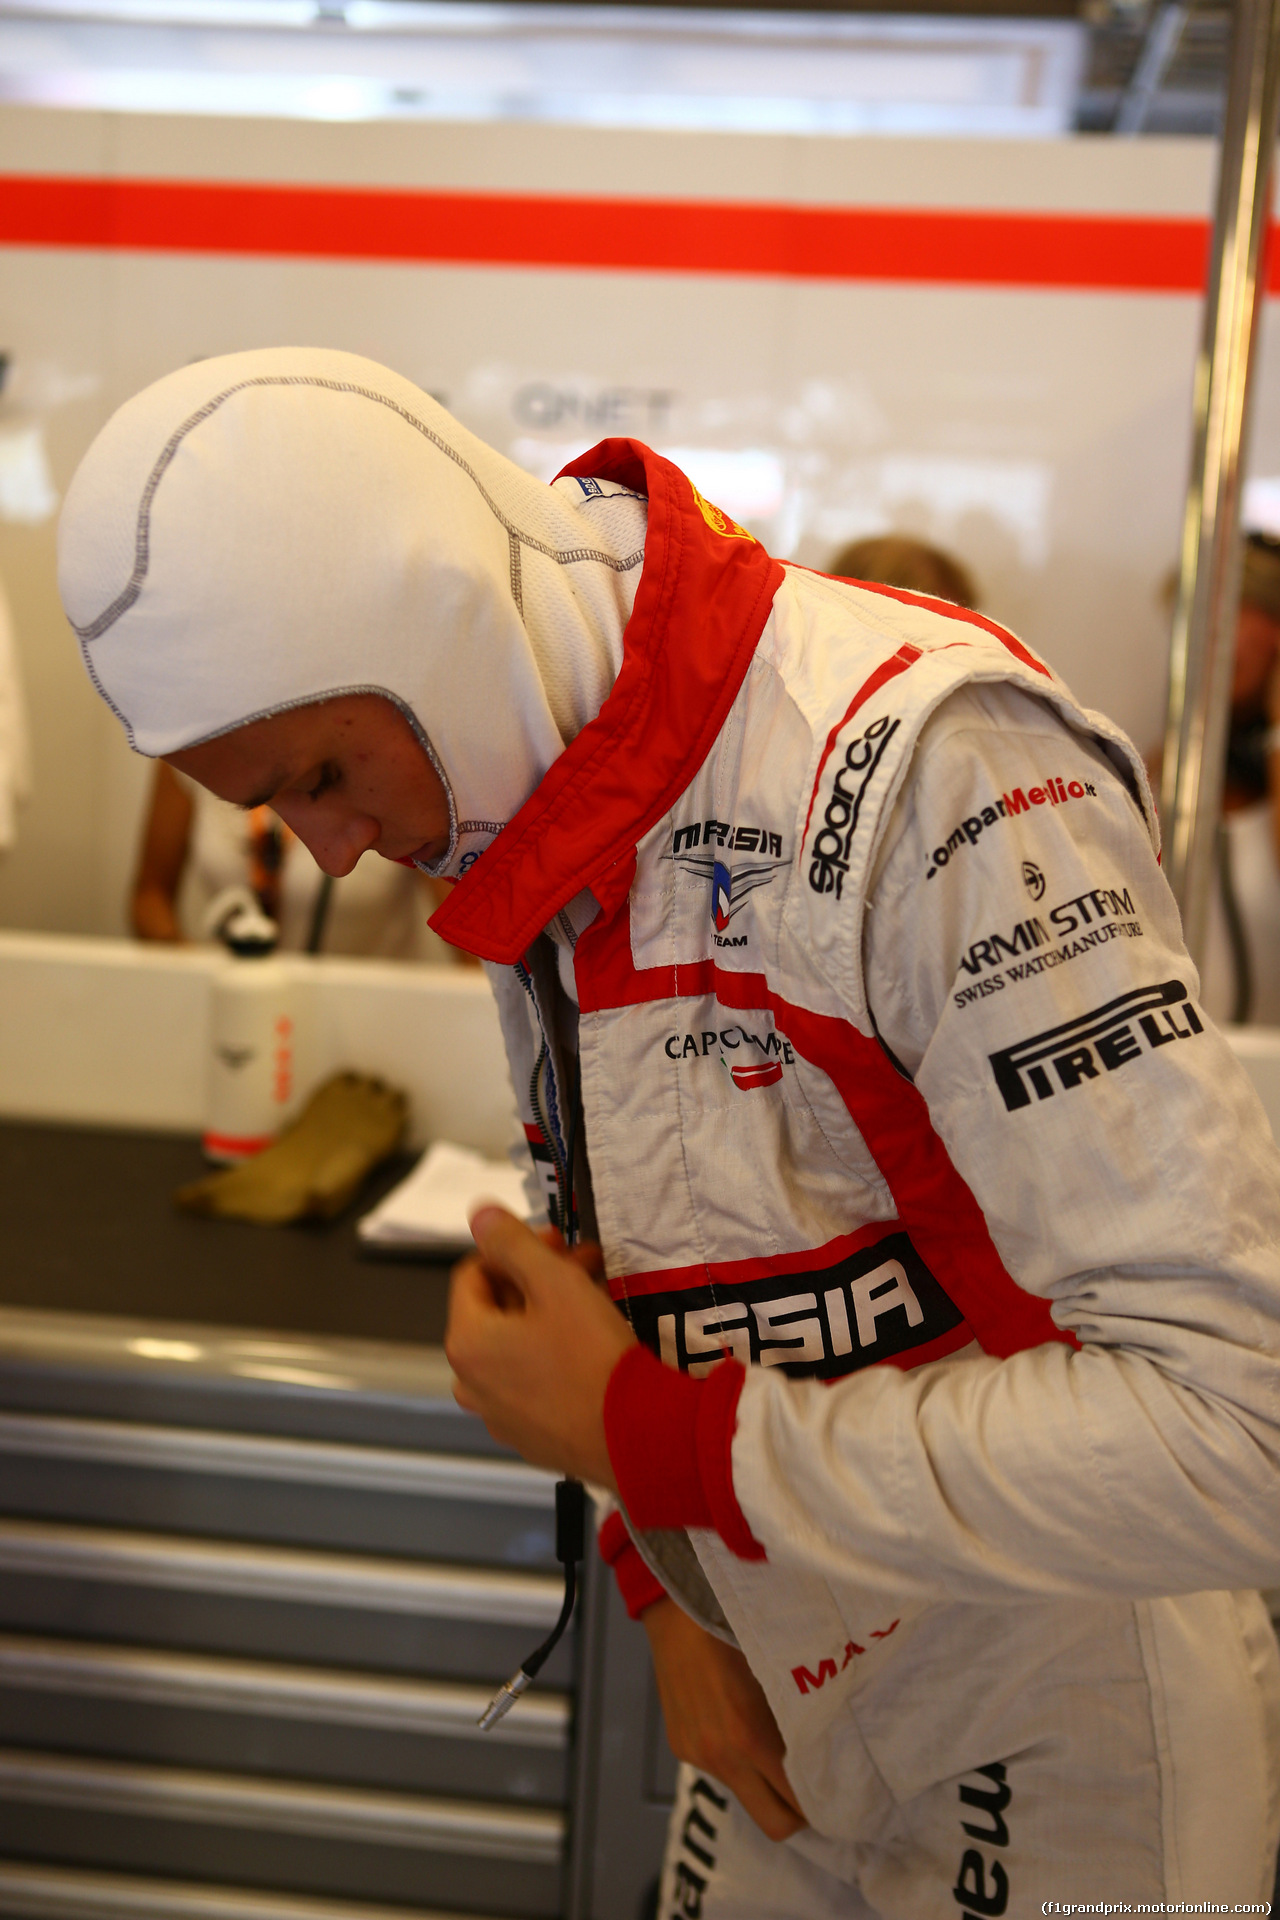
(1125,253)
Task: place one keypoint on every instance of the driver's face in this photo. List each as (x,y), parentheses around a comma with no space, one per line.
(347,775)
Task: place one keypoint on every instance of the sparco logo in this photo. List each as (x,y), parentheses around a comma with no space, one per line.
(871,1305)
(1134,1023)
(829,855)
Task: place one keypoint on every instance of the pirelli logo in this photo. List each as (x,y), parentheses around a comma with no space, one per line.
(871,1305)
(1124,1029)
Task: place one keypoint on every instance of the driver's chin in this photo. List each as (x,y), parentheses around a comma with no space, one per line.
(426,855)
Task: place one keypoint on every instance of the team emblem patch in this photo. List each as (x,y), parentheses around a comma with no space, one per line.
(721,896)
(731,886)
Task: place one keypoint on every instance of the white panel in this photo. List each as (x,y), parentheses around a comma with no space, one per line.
(107,1033)
(1156,176)
(602,66)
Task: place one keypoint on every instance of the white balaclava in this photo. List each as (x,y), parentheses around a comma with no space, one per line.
(265,529)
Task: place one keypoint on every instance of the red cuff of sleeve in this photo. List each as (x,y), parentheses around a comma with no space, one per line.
(670,1440)
(639,1587)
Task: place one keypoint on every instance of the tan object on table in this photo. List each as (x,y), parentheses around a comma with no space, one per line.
(347,1127)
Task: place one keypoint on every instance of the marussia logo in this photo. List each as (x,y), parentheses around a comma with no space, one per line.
(731,887)
(1122,1030)
(827,1668)
(721,833)
(821,1322)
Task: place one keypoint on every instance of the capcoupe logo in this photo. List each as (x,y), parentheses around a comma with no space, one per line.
(829,856)
(766,1071)
(1124,1029)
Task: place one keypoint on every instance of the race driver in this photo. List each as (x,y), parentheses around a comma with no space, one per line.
(936,1375)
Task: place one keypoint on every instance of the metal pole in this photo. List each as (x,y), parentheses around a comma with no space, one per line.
(1209,588)
(1158,50)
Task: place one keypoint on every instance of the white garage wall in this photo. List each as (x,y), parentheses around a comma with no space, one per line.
(1041,434)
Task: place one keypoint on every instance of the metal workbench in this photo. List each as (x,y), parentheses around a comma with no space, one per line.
(258,1576)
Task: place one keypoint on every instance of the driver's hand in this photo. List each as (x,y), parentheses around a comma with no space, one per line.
(532,1340)
(718,1718)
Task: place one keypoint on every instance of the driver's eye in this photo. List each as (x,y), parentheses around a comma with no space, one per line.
(329,777)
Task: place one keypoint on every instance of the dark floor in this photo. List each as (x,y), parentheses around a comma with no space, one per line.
(88,1225)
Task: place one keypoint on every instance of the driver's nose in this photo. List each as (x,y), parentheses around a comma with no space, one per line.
(336,844)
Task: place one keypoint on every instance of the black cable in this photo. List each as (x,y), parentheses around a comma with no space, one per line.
(1237,938)
(571,1507)
(571,1497)
(320,914)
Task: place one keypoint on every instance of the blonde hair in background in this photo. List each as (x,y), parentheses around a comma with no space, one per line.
(898,560)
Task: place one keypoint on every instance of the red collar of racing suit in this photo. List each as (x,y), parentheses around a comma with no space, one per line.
(704,596)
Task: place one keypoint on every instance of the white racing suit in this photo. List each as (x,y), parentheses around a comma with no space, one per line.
(894,1087)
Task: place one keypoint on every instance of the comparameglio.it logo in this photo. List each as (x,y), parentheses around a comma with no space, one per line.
(1056,792)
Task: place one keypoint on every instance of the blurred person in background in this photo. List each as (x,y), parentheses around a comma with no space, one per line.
(899,560)
(1240,978)
(194,846)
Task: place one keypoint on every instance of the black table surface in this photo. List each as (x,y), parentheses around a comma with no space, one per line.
(88,1225)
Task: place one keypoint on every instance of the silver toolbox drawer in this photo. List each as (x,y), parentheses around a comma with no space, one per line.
(381,1500)
(275,1602)
(366,1729)
(337,1841)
